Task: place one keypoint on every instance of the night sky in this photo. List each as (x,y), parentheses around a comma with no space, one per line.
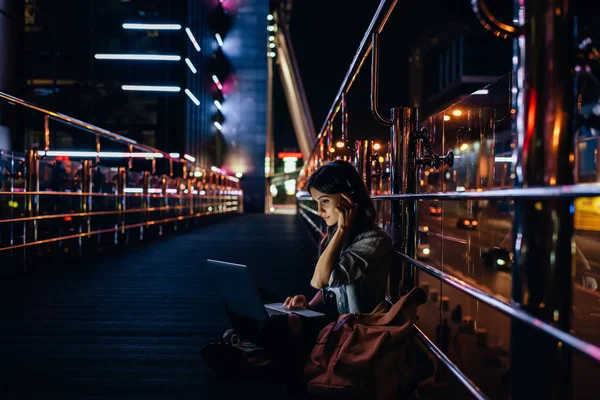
(326,35)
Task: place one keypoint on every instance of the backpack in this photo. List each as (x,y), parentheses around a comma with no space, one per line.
(366,355)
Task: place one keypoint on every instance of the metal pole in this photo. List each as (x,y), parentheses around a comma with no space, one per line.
(46,132)
(86,199)
(120,234)
(145,201)
(32,181)
(543,230)
(403,180)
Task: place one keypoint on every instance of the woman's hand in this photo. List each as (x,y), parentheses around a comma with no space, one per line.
(346,213)
(298,301)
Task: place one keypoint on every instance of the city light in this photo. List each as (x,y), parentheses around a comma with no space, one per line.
(271,54)
(270,17)
(189,158)
(215,169)
(158,27)
(174,155)
(481,92)
(339,144)
(446,118)
(192,97)
(457,113)
(271,38)
(192,38)
(464,147)
(270,28)
(190,65)
(376,146)
(218,125)
(219,40)
(239,174)
(142,57)
(218,105)
(216,81)
(272,45)
(146,88)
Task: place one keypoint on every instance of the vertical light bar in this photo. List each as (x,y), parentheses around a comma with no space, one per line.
(190,65)
(192,97)
(218,105)
(216,81)
(219,40)
(192,38)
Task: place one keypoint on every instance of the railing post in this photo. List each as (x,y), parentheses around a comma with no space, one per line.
(164,204)
(32,181)
(363,157)
(85,201)
(120,233)
(543,230)
(403,181)
(145,202)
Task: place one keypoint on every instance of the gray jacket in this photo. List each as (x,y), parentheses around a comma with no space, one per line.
(359,280)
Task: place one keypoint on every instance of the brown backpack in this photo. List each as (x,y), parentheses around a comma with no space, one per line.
(366,355)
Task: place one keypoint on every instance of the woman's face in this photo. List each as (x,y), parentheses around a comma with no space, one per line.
(327,205)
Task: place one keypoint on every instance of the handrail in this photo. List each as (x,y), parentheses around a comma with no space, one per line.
(471,387)
(377,23)
(583,347)
(491,23)
(83,125)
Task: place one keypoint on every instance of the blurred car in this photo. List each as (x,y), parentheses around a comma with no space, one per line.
(467,223)
(497,258)
(435,211)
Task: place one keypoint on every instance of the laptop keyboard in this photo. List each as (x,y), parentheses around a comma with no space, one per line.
(272,313)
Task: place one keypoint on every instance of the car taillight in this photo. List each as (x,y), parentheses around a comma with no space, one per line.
(475,223)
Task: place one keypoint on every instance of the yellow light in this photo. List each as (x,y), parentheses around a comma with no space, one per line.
(464,147)
(457,113)
(376,146)
(426,251)
(446,118)
(381,159)
(339,144)
(332,149)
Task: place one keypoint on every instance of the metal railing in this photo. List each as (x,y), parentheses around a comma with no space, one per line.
(543,192)
(54,202)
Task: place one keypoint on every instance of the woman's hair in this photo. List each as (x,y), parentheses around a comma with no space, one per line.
(339,177)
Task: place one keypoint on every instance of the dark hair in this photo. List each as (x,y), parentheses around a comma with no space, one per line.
(341,177)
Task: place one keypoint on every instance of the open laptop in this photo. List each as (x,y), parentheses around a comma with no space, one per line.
(241,296)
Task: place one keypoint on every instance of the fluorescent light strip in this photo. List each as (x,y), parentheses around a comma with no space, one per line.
(218,125)
(190,65)
(192,38)
(217,82)
(218,105)
(503,159)
(192,97)
(215,169)
(480,92)
(158,27)
(172,191)
(189,158)
(145,88)
(219,40)
(142,57)
(174,155)
(133,190)
(102,154)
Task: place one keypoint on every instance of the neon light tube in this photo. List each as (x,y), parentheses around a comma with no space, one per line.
(189,158)
(219,40)
(158,27)
(218,125)
(192,38)
(190,65)
(145,88)
(192,97)
(216,81)
(218,105)
(143,57)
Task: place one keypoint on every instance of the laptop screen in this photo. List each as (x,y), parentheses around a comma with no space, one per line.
(237,289)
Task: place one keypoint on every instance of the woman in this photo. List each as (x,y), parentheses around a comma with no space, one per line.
(355,256)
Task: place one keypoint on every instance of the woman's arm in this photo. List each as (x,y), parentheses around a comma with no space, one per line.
(317,300)
(328,260)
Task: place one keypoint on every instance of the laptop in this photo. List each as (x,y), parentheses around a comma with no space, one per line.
(241,296)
